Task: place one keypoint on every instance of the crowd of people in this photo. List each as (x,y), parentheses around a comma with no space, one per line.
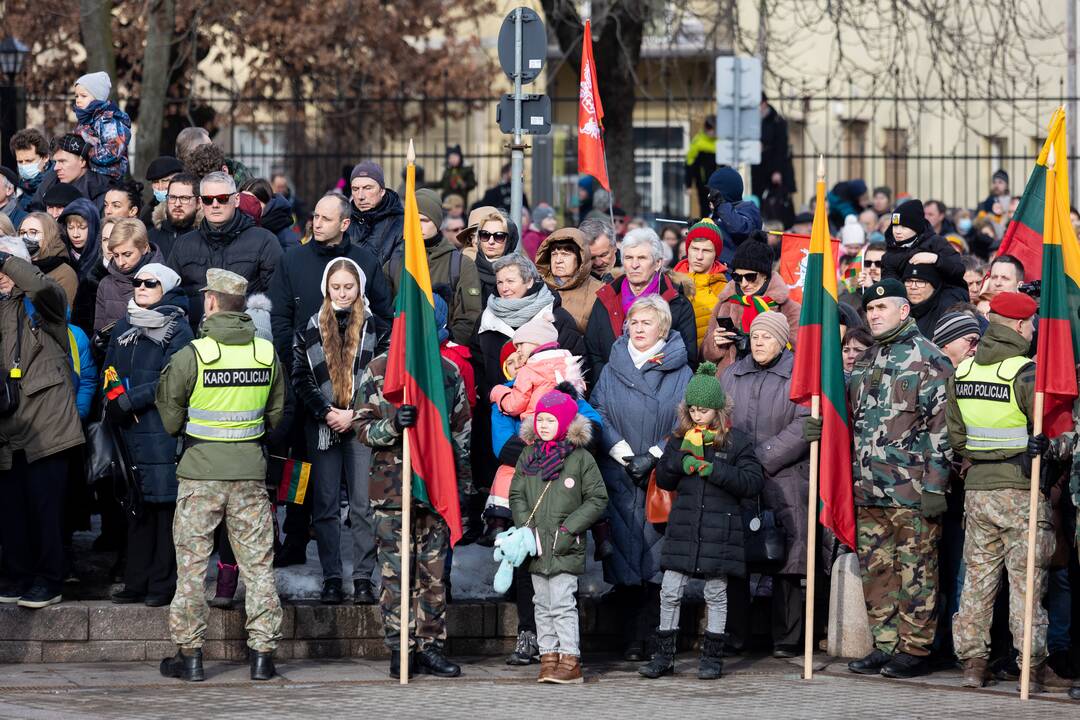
(607,382)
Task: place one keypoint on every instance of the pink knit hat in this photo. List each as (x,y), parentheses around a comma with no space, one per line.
(538,331)
(562,406)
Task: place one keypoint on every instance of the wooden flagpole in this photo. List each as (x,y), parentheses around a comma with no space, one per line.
(1029,574)
(406,522)
(811,547)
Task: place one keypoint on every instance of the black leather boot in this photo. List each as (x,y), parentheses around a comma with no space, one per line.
(184,666)
(395,663)
(262,665)
(431,661)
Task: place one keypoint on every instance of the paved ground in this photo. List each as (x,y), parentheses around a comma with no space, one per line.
(752,688)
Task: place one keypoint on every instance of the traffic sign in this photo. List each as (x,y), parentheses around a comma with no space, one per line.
(738,119)
(535,114)
(534,45)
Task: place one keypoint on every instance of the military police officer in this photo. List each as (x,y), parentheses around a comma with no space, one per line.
(989,413)
(222,392)
(901,470)
(381,425)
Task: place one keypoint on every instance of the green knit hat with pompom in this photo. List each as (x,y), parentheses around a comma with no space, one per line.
(704,389)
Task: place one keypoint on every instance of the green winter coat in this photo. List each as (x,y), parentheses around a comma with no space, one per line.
(207,460)
(575,501)
(999,343)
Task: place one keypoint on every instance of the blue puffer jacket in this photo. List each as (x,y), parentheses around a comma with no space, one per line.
(638,406)
(736,221)
(85,373)
(139,362)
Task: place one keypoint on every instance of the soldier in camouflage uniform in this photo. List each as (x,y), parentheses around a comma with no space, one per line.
(990,405)
(901,471)
(223,391)
(380,425)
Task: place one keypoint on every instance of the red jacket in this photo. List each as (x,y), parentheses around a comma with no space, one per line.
(461,356)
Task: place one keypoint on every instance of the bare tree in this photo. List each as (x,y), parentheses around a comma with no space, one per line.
(160,22)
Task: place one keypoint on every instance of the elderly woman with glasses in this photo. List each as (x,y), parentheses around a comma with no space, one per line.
(754,289)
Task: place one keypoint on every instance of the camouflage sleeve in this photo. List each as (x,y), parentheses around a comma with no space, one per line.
(461,434)
(957,428)
(932,402)
(374,415)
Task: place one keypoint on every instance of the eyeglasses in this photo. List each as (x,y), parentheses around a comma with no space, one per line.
(31,232)
(494,237)
(741,278)
(915,283)
(221,199)
(873,263)
(145,282)
(181,199)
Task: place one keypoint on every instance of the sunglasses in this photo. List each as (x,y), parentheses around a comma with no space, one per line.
(498,237)
(221,199)
(145,282)
(740,278)
(872,263)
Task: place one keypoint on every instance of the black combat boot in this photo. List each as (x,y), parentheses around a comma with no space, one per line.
(363,592)
(663,662)
(431,661)
(185,666)
(711,665)
(331,592)
(262,665)
(904,666)
(395,663)
(871,664)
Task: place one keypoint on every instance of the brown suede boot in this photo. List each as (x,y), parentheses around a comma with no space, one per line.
(568,671)
(975,673)
(548,663)
(1044,679)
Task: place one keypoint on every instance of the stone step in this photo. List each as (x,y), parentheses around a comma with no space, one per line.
(99,631)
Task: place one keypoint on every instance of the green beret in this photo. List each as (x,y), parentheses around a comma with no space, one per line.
(889,287)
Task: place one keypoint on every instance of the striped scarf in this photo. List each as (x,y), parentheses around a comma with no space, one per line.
(752,305)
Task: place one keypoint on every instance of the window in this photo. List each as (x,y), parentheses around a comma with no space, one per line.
(854,138)
(260,146)
(659,168)
(896,159)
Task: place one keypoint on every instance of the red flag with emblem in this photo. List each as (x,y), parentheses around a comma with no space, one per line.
(590,117)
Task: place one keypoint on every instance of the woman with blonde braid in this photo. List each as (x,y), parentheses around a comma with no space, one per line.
(329,355)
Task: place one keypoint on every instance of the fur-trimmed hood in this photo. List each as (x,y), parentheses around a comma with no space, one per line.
(158,216)
(579,433)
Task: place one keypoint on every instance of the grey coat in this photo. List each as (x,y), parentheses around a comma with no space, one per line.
(762,410)
(640,407)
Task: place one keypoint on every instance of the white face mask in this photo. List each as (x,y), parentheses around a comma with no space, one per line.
(29,171)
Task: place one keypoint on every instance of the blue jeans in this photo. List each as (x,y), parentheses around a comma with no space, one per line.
(1058,610)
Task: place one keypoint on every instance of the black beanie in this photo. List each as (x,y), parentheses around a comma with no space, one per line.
(910,214)
(753,255)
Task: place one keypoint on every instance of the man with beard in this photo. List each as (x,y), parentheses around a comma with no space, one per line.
(177,215)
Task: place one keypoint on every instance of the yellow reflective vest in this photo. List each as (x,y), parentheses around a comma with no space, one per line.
(231,389)
(986,396)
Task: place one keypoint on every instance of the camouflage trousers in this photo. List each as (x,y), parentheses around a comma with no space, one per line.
(898,556)
(200,507)
(996,539)
(427,560)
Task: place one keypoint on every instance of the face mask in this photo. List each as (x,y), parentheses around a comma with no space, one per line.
(32,244)
(964,225)
(160,195)
(29,171)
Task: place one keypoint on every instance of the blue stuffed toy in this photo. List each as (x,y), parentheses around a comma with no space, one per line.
(511,548)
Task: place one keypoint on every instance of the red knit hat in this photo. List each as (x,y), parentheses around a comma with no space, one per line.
(1013,305)
(705,230)
(507,350)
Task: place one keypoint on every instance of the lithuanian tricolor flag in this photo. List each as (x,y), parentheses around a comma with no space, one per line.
(1058,348)
(819,371)
(414,373)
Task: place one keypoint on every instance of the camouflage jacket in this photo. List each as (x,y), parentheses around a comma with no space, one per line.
(375,428)
(897,395)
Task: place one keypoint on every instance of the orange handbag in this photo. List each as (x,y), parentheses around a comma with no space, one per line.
(658,502)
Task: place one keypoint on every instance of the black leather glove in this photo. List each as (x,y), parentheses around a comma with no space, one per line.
(639,466)
(405,417)
(118,412)
(933,504)
(1037,446)
(99,344)
(811,429)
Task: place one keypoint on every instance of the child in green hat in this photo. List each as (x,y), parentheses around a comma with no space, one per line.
(711,467)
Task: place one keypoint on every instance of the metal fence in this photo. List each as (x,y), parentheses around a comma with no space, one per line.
(937,147)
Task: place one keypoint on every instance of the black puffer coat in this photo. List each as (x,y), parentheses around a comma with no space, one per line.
(704,535)
(381,229)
